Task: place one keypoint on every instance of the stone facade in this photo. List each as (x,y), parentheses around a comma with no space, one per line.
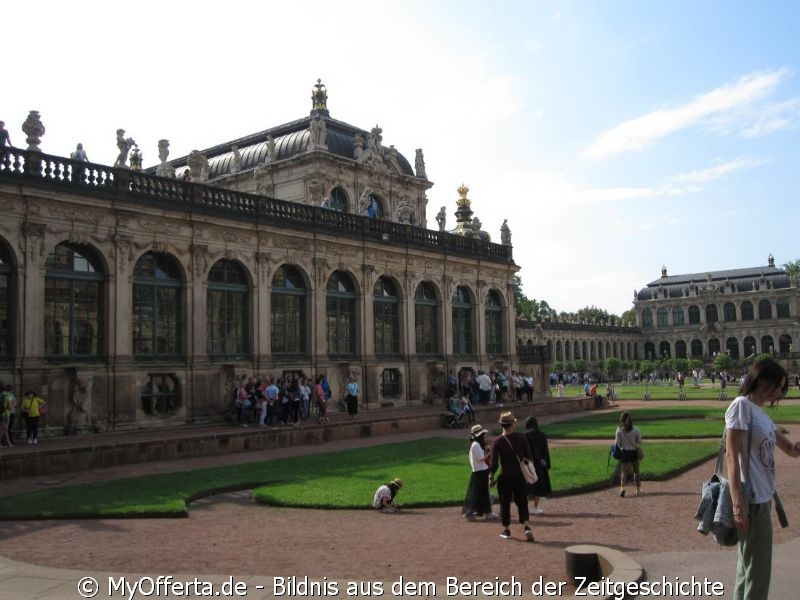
(129,299)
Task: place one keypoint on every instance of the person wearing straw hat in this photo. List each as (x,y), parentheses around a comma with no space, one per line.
(478,502)
(384,496)
(507,452)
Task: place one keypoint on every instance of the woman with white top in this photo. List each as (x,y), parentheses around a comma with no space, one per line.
(478,501)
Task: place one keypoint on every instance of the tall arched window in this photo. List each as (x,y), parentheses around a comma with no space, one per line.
(713,347)
(785,344)
(340,312)
(732,347)
(767,344)
(462,321)
(647,319)
(680,349)
(227,316)
(494,324)
(6,295)
(765,309)
(426,319)
(677,315)
(711,314)
(338,200)
(664,350)
(662,316)
(730,312)
(288,312)
(747,311)
(749,345)
(157,319)
(696,348)
(386,310)
(559,352)
(694,315)
(73,306)
(649,350)
(375,208)
(782,308)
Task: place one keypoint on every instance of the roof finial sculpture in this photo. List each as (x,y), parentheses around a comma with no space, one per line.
(464,212)
(319,100)
(771,260)
(663,270)
(33,128)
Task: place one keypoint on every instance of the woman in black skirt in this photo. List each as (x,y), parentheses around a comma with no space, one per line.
(478,502)
(541,461)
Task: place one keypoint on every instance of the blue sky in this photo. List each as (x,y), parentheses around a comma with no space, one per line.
(615,137)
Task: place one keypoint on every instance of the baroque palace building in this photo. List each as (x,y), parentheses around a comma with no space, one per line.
(133,298)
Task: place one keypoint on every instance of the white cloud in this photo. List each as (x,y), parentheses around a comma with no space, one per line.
(719,170)
(734,98)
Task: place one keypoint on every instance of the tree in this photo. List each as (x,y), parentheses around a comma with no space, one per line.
(530,309)
(723,362)
(629,317)
(646,367)
(792,269)
(679,365)
(611,366)
(580,366)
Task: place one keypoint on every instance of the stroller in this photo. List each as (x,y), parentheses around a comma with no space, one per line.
(454,417)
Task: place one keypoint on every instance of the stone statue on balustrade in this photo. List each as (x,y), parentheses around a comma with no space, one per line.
(441,218)
(505,233)
(419,164)
(164,169)
(318,132)
(198,164)
(34,129)
(124,146)
(272,150)
(358,146)
(476,227)
(236,165)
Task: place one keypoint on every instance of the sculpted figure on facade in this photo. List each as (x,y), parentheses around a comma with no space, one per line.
(272,152)
(236,164)
(505,233)
(318,132)
(34,129)
(198,165)
(164,169)
(358,146)
(78,417)
(124,145)
(441,218)
(419,164)
(476,227)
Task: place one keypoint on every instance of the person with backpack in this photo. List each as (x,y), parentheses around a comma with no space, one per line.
(33,408)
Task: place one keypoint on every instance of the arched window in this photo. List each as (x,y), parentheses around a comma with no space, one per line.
(73,302)
(730,312)
(649,351)
(386,311)
(494,324)
(559,355)
(567,351)
(288,311)
(647,319)
(584,353)
(696,348)
(694,315)
(749,345)
(662,316)
(713,347)
(462,321)
(765,309)
(341,314)
(227,315)
(664,351)
(767,344)
(680,349)
(426,319)
(677,316)
(747,311)
(375,208)
(785,344)
(782,308)
(576,350)
(592,350)
(711,314)
(157,319)
(6,295)
(732,347)
(338,201)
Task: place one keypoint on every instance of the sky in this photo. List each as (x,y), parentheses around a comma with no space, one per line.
(616,137)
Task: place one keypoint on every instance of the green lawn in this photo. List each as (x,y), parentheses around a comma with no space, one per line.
(664,391)
(435,471)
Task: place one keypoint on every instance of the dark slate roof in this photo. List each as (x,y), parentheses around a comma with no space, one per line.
(291,139)
(744,280)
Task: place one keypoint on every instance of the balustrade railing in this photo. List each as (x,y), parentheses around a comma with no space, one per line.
(104,181)
(535,355)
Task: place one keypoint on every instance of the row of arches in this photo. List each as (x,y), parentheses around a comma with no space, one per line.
(697,348)
(593,350)
(75,301)
(731,312)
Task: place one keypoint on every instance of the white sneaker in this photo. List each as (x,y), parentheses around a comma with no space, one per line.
(537,511)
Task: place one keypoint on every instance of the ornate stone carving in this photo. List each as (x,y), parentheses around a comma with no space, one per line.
(272,151)
(124,145)
(318,133)
(159,246)
(74,215)
(419,164)
(505,233)
(476,227)
(236,164)
(199,264)
(369,277)
(264,261)
(441,218)
(34,129)
(164,169)
(358,146)
(123,249)
(151,226)
(321,267)
(32,239)
(78,418)
(198,165)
